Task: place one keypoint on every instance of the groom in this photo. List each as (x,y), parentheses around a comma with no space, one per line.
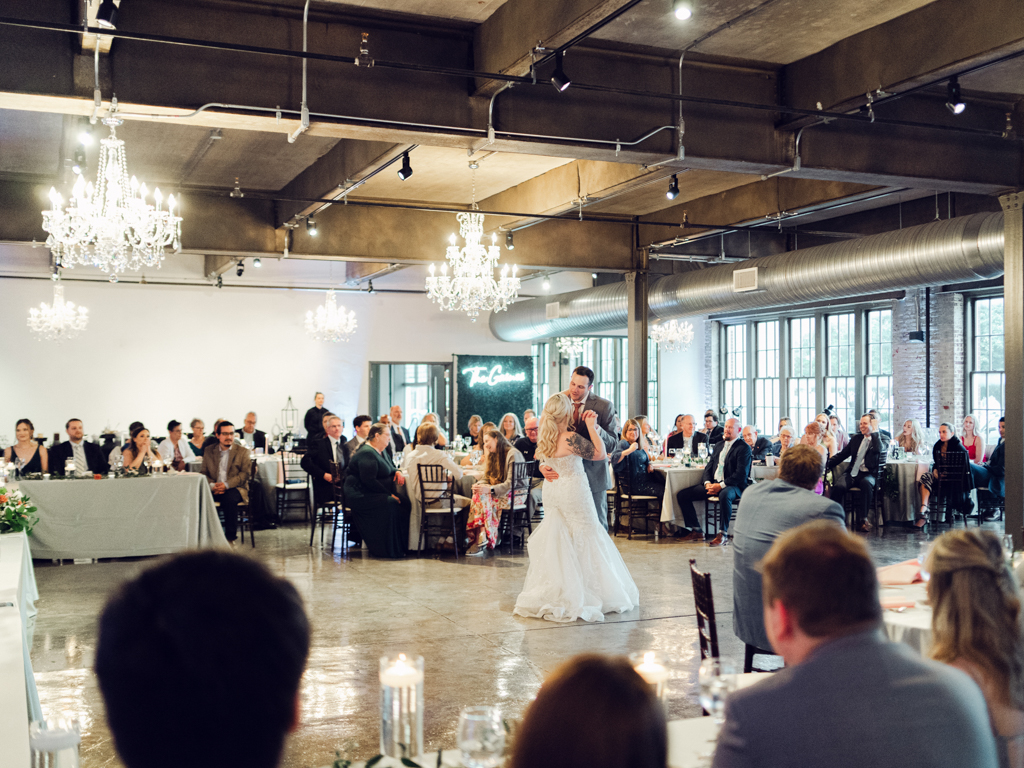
(583,399)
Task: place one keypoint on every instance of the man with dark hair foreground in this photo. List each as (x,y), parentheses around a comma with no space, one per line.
(199,661)
(847,697)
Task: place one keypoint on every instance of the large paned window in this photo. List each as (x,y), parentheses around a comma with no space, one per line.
(766,383)
(878,381)
(988,377)
(652,383)
(541,370)
(605,385)
(623,398)
(840,372)
(802,390)
(734,385)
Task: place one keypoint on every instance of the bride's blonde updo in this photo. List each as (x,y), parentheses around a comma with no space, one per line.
(556,409)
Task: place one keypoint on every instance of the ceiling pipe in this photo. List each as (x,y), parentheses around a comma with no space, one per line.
(965,249)
(304,111)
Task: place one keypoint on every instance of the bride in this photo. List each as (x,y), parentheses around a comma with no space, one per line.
(575,570)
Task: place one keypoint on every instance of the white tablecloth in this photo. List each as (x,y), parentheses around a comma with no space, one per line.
(905,473)
(677,478)
(912,626)
(19,700)
(123,517)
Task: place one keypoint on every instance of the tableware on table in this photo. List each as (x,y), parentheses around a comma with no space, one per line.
(1007,539)
(652,666)
(481,737)
(401,705)
(69,467)
(54,743)
(922,557)
(686,455)
(702,451)
(717,678)
(46,475)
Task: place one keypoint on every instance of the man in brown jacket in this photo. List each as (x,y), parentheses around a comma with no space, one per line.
(226,465)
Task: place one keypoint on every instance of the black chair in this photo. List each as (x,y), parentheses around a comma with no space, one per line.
(950,489)
(990,506)
(327,510)
(636,507)
(438,514)
(875,507)
(341,522)
(245,516)
(713,515)
(519,515)
(293,490)
(704,600)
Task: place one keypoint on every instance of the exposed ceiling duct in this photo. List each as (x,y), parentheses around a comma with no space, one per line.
(957,250)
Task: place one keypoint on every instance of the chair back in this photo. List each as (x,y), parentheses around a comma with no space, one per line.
(291,466)
(951,468)
(707,628)
(254,478)
(522,471)
(434,488)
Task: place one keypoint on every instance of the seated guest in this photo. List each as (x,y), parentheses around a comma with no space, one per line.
(943,450)
(150,671)
(473,428)
(685,436)
(493,494)
(822,615)
(629,459)
(592,712)
(361,424)
(528,447)
(399,436)
(425,452)
(313,421)
(251,437)
(371,492)
(175,449)
(828,438)
(992,474)
(911,437)
(726,476)
(812,437)
(711,430)
(864,453)
(973,443)
(320,454)
(528,414)
(646,432)
(468,461)
(116,451)
(976,627)
(510,427)
(31,454)
(431,418)
(226,466)
(787,436)
(759,446)
(876,421)
(785,421)
(766,511)
(196,441)
(838,432)
(89,459)
(139,456)
(212,439)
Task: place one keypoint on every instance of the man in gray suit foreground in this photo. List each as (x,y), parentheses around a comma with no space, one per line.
(848,697)
(767,510)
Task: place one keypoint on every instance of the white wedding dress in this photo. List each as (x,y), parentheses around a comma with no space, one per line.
(575,570)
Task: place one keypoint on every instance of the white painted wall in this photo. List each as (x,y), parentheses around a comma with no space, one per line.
(681,380)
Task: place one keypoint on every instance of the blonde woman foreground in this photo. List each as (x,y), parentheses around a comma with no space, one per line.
(575,570)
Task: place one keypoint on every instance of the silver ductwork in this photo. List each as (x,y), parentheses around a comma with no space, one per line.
(957,250)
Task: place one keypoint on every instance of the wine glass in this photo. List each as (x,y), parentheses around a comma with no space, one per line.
(481,737)
(717,678)
(702,451)
(673,454)
(922,557)
(1007,539)
(686,455)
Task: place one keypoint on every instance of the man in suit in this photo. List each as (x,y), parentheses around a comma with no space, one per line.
(767,510)
(399,434)
(252,437)
(726,476)
(318,459)
(866,451)
(89,459)
(582,399)
(688,438)
(759,446)
(711,430)
(992,474)
(227,465)
(361,424)
(848,697)
(876,422)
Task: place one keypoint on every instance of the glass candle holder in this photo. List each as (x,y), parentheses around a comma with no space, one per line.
(401,705)
(652,666)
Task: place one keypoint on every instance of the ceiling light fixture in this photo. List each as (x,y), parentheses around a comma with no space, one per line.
(331,322)
(241,267)
(572,346)
(508,241)
(311,227)
(106,16)
(79,165)
(673,188)
(85,137)
(546,285)
(59,321)
(558,77)
(682,9)
(954,100)
(237,191)
(406,170)
(672,336)
(257,262)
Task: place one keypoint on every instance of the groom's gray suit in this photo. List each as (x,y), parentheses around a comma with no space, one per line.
(597,471)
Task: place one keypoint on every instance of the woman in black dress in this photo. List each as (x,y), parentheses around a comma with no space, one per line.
(371,492)
(32,455)
(139,449)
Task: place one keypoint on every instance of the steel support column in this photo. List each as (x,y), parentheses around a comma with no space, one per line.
(637,335)
(1013,344)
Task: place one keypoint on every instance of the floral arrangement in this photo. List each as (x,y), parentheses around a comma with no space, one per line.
(17,513)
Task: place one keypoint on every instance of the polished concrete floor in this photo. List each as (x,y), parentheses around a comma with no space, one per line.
(458,616)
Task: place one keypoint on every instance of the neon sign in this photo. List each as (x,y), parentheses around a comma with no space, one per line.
(478,374)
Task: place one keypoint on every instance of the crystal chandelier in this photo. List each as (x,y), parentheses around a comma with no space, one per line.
(110,225)
(672,336)
(472,288)
(60,321)
(331,322)
(572,346)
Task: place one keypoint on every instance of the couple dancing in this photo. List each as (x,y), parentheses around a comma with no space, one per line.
(575,570)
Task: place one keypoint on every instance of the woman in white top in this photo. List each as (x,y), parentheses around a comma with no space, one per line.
(424,452)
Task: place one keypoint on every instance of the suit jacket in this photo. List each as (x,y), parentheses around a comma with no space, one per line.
(351,447)
(762,447)
(370,479)
(678,441)
(239,465)
(400,437)
(317,463)
(737,465)
(717,434)
(895,708)
(608,430)
(997,460)
(849,453)
(765,511)
(94,458)
(259,439)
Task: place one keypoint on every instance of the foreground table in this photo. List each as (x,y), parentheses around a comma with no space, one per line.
(19,700)
(912,625)
(677,478)
(126,517)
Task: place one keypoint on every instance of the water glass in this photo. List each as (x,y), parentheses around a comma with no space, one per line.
(481,737)
(922,558)
(401,706)
(702,451)
(717,678)
(1008,548)
(54,743)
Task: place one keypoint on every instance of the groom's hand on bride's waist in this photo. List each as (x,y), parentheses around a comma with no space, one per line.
(548,472)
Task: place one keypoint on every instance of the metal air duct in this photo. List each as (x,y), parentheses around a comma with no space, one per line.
(957,250)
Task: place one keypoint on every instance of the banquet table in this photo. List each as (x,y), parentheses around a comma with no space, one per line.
(19,700)
(125,517)
(905,474)
(912,625)
(676,478)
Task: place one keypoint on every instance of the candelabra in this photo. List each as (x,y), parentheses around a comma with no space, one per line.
(331,322)
(59,321)
(672,336)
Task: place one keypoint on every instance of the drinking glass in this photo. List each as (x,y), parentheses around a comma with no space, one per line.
(1008,548)
(673,454)
(717,678)
(922,558)
(481,737)
(702,451)
(686,455)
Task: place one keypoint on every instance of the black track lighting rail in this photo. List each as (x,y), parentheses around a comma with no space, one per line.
(472,74)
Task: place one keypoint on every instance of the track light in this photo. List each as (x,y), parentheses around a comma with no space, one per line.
(79,164)
(85,137)
(558,77)
(682,9)
(546,285)
(237,191)
(311,227)
(241,268)
(257,263)
(508,241)
(673,188)
(954,100)
(106,16)
(406,170)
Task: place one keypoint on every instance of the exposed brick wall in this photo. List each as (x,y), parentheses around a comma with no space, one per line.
(948,346)
(908,361)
